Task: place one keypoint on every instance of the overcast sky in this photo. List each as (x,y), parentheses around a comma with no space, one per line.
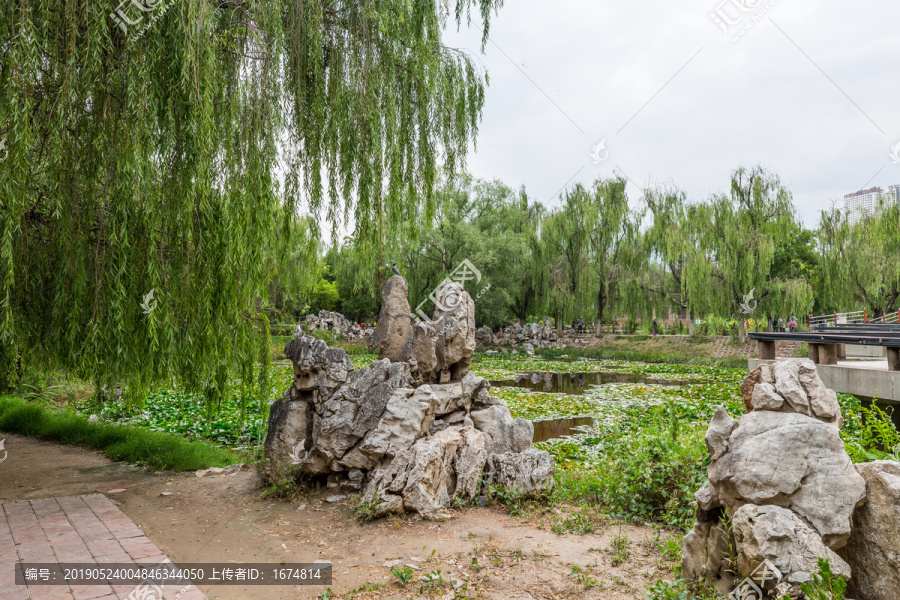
(810,90)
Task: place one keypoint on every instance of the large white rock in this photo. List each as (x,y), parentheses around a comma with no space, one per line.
(426,477)
(407,416)
(793,461)
(874,547)
(787,384)
(528,472)
(503,433)
(289,434)
(778,535)
(394,323)
(454,321)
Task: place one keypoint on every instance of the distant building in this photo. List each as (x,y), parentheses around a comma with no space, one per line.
(865,202)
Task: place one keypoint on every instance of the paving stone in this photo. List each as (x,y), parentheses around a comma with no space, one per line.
(83,529)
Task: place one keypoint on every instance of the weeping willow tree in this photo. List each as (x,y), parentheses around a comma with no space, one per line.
(145,203)
(730,269)
(669,241)
(860,264)
(587,255)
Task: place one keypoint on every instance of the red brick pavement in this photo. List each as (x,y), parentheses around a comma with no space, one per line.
(82,529)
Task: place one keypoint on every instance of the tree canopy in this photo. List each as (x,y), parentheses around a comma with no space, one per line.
(158,156)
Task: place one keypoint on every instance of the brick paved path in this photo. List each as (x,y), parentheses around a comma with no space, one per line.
(83,529)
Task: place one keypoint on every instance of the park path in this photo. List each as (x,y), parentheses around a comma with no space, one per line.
(75,529)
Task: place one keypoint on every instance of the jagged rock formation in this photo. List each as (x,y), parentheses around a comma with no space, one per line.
(329,321)
(414,429)
(782,474)
(516,336)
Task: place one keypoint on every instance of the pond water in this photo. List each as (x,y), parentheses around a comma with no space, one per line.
(576,383)
(556,428)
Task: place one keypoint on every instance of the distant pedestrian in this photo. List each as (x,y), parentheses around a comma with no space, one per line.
(793,323)
(580,325)
(655,327)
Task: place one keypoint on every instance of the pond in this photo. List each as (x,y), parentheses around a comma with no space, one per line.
(548,429)
(577,383)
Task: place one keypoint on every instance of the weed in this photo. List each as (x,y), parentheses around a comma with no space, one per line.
(365,511)
(825,585)
(403,574)
(619,550)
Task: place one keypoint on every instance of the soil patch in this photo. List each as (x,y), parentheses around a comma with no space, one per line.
(225,518)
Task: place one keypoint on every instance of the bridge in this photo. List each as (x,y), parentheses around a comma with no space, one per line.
(860,358)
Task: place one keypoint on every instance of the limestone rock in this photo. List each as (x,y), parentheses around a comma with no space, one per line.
(427,476)
(765,397)
(454,321)
(353,411)
(789,460)
(420,347)
(448,397)
(407,416)
(874,547)
(393,327)
(719,431)
(822,401)
(289,434)
(529,472)
(528,348)
(316,365)
(749,384)
(787,384)
(777,535)
(703,555)
(502,432)
(707,498)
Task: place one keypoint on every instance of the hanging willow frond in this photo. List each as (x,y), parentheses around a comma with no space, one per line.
(145,149)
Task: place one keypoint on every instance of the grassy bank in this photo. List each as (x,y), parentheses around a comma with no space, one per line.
(653,349)
(135,445)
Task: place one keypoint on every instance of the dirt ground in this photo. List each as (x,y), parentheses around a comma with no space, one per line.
(224,518)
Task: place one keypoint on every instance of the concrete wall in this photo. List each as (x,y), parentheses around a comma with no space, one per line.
(864,383)
(866,351)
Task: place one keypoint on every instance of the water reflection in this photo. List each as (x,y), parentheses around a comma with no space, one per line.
(576,383)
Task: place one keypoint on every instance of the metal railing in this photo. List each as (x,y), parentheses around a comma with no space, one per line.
(849,318)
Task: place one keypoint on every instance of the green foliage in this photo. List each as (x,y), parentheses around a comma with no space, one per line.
(403,574)
(824,585)
(147,160)
(324,296)
(860,263)
(874,437)
(681,589)
(132,444)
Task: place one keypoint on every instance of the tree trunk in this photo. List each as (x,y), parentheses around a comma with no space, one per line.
(691,324)
(742,332)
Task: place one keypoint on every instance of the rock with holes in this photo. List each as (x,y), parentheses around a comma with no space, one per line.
(528,473)
(704,553)
(503,433)
(316,365)
(787,542)
(289,433)
(793,461)
(454,320)
(393,329)
(426,477)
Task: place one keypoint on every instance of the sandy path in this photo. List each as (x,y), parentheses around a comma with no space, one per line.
(224,518)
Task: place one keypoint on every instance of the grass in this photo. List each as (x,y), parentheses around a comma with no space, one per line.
(151,449)
(654,349)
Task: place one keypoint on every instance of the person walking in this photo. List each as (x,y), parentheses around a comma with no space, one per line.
(655,327)
(580,325)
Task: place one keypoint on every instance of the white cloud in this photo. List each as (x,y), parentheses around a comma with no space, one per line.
(759,100)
